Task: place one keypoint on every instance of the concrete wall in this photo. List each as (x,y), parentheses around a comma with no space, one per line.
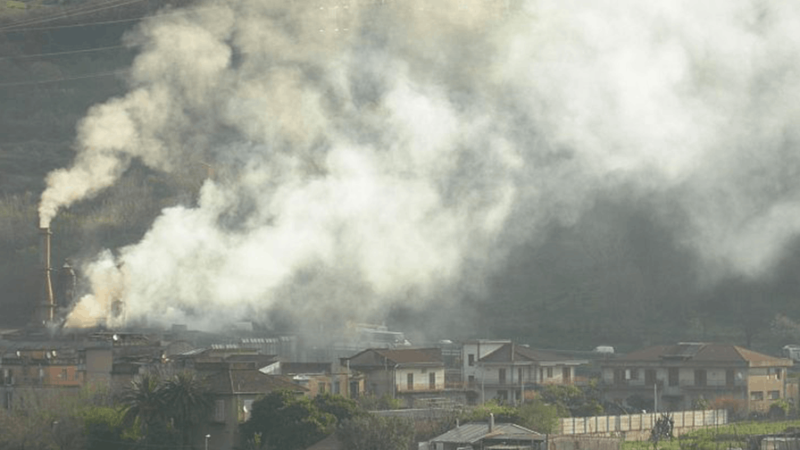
(638,426)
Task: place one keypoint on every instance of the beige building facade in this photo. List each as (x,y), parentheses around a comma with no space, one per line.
(688,375)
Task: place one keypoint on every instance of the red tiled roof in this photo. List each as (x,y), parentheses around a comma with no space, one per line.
(412,355)
(250,382)
(406,356)
(520,353)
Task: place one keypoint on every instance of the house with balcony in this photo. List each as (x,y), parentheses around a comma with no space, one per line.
(504,371)
(676,377)
(234,388)
(408,374)
(236,377)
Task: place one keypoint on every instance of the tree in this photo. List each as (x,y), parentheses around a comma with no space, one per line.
(371,402)
(662,430)
(74,420)
(188,402)
(573,401)
(502,413)
(285,421)
(339,406)
(143,403)
(104,429)
(539,416)
(373,432)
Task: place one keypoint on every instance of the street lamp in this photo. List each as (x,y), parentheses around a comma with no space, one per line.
(207,436)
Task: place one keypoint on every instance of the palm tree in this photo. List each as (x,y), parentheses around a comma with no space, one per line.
(143,399)
(188,402)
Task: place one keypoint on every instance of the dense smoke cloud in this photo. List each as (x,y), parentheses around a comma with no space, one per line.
(368,155)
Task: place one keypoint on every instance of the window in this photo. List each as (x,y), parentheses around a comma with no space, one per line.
(541,374)
(471,359)
(673,376)
(649,377)
(519,374)
(410,381)
(432,380)
(699,377)
(219,411)
(774,395)
(471,380)
(502,376)
(565,374)
(322,388)
(64,374)
(730,378)
(619,376)
(757,395)
(633,374)
(549,372)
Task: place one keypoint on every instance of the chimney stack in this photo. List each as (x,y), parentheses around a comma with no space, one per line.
(45,310)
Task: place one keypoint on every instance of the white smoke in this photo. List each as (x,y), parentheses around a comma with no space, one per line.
(384,153)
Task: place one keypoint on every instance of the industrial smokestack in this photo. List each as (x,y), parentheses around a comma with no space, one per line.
(45,311)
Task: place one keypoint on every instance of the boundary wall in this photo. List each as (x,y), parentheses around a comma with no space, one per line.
(638,426)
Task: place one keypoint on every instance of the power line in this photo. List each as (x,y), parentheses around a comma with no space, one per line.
(77,25)
(70,52)
(20,26)
(59,80)
(104,22)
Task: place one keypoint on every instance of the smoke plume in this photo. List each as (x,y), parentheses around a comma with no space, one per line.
(373,154)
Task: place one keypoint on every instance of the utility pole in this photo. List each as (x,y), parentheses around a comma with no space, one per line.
(655,397)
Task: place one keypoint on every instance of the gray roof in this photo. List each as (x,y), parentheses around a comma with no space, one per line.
(471,433)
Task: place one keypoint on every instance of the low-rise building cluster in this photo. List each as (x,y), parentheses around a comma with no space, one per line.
(240,369)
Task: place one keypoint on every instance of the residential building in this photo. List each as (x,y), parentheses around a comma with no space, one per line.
(236,377)
(503,370)
(234,389)
(400,373)
(680,376)
(485,436)
(51,368)
(316,377)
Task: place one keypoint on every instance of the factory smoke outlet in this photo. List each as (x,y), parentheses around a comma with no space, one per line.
(370,156)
